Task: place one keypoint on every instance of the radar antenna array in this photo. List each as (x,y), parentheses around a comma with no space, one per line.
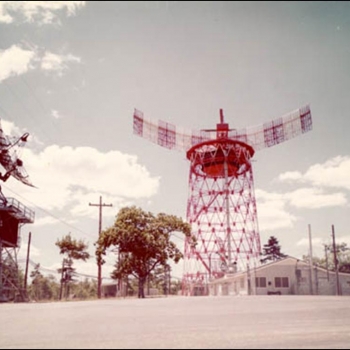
(9,159)
(259,137)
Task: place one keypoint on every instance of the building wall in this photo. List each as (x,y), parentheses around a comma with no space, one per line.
(280,278)
(285,277)
(232,285)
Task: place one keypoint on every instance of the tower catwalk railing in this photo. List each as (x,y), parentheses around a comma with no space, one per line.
(19,210)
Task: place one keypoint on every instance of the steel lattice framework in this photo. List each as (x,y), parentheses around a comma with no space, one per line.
(13,214)
(221,203)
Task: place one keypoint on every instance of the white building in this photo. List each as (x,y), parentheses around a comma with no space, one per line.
(285,276)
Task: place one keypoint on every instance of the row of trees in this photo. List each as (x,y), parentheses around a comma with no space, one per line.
(144,247)
(47,287)
(50,288)
(41,287)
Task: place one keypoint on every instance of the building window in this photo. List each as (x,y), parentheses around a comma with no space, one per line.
(260,282)
(242,283)
(281,282)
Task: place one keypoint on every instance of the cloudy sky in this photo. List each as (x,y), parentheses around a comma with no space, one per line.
(72,72)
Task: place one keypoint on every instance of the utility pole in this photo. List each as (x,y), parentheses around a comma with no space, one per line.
(99,279)
(335,262)
(311,262)
(62,275)
(326,257)
(27,263)
(248,280)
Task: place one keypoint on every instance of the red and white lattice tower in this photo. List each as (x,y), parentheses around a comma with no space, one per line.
(221,204)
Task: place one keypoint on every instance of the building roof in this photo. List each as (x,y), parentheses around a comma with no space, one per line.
(288,260)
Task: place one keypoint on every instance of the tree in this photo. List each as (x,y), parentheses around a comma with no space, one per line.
(74,250)
(158,277)
(143,241)
(37,278)
(42,288)
(85,289)
(47,287)
(272,250)
(327,262)
(343,256)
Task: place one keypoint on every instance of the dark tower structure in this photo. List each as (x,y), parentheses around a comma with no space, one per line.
(13,215)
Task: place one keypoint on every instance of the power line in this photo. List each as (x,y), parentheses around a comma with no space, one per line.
(50,214)
(47,270)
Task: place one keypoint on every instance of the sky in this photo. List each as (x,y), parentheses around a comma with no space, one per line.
(72,73)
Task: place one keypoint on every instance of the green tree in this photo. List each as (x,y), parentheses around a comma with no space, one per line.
(37,277)
(85,289)
(327,261)
(175,287)
(42,288)
(52,287)
(157,278)
(143,241)
(73,250)
(343,256)
(272,250)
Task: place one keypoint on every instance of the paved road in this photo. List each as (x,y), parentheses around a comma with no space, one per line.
(250,322)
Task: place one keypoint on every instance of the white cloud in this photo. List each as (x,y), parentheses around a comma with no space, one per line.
(272,212)
(4,15)
(290,176)
(51,61)
(68,178)
(55,114)
(34,252)
(39,12)
(13,132)
(273,208)
(15,61)
(82,202)
(317,244)
(333,173)
(316,241)
(10,128)
(313,198)
(322,177)
(47,220)
(58,63)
